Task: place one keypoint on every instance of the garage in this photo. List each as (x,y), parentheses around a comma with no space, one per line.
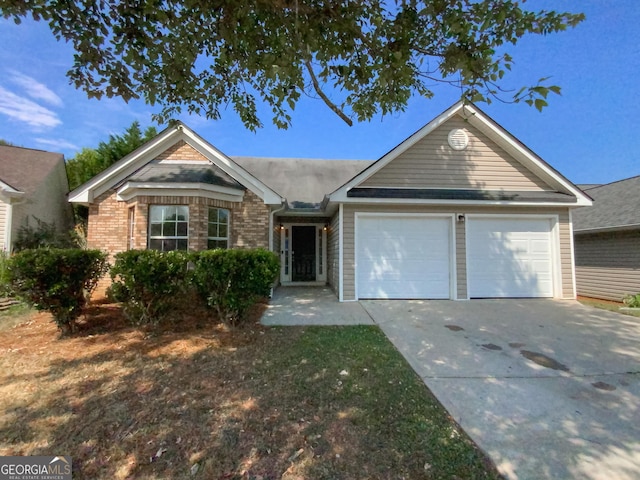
(510,257)
(403,256)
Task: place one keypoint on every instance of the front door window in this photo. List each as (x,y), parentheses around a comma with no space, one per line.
(303,253)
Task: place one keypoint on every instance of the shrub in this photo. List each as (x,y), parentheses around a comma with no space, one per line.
(43,235)
(230,281)
(149,282)
(57,280)
(5,279)
(632,301)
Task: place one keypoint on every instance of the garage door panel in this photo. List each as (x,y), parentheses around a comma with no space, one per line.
(403,257)
(509,258)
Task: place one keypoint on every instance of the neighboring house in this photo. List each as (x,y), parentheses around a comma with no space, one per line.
(460,209)
(607,241)
(33,185)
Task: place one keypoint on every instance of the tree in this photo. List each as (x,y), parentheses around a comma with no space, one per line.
(361,57)
(89,162)
(4,142)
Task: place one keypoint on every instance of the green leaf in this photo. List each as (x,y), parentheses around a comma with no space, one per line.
(540,104)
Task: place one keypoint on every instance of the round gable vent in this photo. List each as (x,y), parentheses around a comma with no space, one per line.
(458,139)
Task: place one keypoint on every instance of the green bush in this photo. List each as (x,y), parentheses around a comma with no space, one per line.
(149,282)
(57,280)
(632,301)
(5,279)
(230,281)
(44,235)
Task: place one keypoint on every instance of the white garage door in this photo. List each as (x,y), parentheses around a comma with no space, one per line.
(403,257)
(509,257)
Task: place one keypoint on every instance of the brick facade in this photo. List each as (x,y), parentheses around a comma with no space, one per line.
(181,151)
(109,221)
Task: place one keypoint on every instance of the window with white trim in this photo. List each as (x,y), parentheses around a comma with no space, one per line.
(168,227)
(218,228)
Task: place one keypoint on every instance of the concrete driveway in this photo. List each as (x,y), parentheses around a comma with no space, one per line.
(549,389)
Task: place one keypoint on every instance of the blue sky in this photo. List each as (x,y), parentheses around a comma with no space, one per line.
(590,133)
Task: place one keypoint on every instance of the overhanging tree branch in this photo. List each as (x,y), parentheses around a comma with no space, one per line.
(325,99)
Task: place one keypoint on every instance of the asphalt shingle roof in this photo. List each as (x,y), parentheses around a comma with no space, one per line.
(24,168)
(184,173)
(615,204)
(301,179)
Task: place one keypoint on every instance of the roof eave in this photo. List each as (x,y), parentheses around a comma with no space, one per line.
(610,228)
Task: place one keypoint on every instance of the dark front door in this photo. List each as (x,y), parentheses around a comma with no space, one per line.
(303,252)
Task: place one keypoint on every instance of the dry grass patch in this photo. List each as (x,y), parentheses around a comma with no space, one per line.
(194,399)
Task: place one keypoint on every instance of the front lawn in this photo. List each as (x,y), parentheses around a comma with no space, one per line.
(196,400)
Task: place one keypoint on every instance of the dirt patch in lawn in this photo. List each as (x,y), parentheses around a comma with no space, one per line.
(195,399)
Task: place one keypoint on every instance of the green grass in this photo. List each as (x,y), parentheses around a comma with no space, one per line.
(391,421)
(604,305)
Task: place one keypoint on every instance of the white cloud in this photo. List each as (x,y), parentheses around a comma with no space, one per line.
(25,110)
(57,143)
(35,89)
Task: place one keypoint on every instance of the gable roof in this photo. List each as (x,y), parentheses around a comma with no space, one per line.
(302,180)
(478,119)
(139,158)
(616,206)
(23,170)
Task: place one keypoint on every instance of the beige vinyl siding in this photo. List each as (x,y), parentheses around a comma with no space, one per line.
(608,264)
(333,253)
(3,224)
(461,256)
(432,163)
(348,252)
(461,274)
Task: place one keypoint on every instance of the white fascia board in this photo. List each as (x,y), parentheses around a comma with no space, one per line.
(7,192)
(131,163)
(231,168)
(522,154)
(125,167)
(419,201)
(132,189)
(336,195)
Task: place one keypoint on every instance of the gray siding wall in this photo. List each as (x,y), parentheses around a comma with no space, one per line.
(566,266)
(608,264)
(333,253)
(48,203)
(432,163)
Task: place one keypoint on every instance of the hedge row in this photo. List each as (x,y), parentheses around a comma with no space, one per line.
(148,282)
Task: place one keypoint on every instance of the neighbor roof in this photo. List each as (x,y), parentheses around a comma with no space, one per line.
(302,180)
(616,206)
(25,169)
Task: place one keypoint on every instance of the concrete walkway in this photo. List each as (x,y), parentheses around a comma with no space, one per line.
(312,306)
